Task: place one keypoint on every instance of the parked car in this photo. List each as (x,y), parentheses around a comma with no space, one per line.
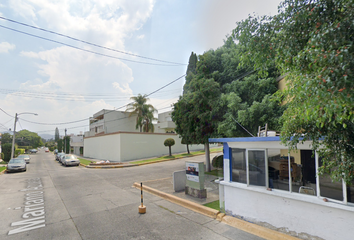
(57,157)
(16,165)
(46,149)
(55,151)
(25,157)
(61,158)
(70,160)
(33,150)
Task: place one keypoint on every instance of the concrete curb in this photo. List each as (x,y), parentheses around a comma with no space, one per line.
(182,202)
(139,164)
(255,229)
(251,228)
(3,171)
(111,166)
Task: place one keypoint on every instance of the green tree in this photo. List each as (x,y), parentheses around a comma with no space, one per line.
(66,144)
(148,113)
(250,103)
(142,110)
(197,113)
(56,136)
(6,149)
(6,138)
(168,143)
(60,145)
(27,138)
(311,42)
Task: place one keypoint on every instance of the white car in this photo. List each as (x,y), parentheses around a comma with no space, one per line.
(27,158)
(70,160)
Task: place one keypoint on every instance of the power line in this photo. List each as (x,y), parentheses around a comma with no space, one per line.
(64,123)
(6,113)
(117,119)
(86,50)
(93,44)
(70,96)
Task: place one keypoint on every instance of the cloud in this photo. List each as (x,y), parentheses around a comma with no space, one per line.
(70,70)
(141,36)
(124,89)
(5,47)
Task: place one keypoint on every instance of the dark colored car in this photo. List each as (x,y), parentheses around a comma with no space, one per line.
(33,150)
(16,165)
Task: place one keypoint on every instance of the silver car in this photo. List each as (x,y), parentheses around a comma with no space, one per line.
(16,165)
(27,158)
(57,157)
(70,160)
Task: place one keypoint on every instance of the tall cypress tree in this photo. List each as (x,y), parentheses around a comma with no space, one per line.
(56,137)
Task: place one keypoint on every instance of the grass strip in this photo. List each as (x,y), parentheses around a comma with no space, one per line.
(84,161)
(214,205)
(216,172)
(176,156)
(2,168)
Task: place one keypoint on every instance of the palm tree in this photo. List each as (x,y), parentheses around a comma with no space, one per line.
(144,112)
(148,113)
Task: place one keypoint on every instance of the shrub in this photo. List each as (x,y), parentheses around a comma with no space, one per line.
(168,143)
(6,150)
(218,161)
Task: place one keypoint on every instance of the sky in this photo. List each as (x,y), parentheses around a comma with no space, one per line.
(137,47)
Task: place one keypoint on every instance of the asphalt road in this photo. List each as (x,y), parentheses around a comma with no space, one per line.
(51,201)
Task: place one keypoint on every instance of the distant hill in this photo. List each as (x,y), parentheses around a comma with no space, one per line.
(46,136)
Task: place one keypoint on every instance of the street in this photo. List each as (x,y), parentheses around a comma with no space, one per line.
(51,201)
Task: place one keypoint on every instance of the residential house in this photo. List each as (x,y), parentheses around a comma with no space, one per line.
(165,123)
(110,121)
(113,137)
(77,144)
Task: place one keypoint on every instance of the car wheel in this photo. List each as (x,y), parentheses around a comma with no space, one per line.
(25,169)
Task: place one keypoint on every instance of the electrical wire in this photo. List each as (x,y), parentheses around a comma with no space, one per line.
(89,51)
(93,44)
(64,123)
(117,119)
(6,113)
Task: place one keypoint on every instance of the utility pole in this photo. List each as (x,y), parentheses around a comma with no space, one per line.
(13,138)
(65,142)
(14,134)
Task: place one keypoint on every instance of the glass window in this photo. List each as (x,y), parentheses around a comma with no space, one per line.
(256,167)
(330,189)
(350,193)
(238,165)
(276,180)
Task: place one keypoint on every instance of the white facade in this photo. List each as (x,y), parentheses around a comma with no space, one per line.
(254,196)
(126,146)
(165,123)
(110,121)
(77,142)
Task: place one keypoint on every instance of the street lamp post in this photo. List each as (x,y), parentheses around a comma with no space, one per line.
(14,134)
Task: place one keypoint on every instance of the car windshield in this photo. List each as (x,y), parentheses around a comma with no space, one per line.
(70,157)
(16,161)
(23,156)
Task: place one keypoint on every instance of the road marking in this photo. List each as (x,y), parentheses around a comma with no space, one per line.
(34,213)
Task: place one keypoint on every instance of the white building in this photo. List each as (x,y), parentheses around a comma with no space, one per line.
(165,123)
(110,121)
(265,183)
(77,143)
